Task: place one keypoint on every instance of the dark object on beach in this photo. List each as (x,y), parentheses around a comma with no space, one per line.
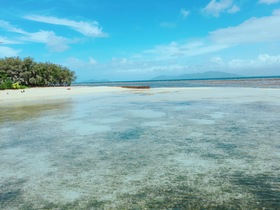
(137,87)
(68,88)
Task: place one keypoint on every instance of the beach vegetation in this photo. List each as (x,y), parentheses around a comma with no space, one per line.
(16,73)
(6,84)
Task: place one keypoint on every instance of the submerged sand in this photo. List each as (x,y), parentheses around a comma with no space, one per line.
(163,148)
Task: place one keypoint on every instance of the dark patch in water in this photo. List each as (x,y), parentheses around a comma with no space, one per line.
(176,197)
(227,147)
(79,204)
(10,193)
(127,135)
(236,129)
(9,196)
(265,188)
(212,156)
(180,103)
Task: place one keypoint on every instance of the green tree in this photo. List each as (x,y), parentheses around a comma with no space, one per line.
(30,73)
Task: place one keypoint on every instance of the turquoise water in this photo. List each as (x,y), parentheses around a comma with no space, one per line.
(155,149)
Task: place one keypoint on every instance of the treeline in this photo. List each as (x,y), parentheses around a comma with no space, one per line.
(27,72)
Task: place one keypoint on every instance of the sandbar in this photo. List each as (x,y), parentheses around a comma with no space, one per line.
(46,94)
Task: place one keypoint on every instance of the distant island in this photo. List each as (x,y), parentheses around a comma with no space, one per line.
(204,75)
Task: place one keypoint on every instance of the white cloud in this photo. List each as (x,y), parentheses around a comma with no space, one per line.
(233,9)
(250,31)
(80,64)
(269,59)
(125,69)
(264,64)
(6,25)
(8,52)
(72,61)
(142,69)
(57,43)
(121,62)
(262,61)
(184,13)
(92,61)
(276,12)
(5,40)
(268,1)
(176,50)
(54,43)
(215,8)
(91,29)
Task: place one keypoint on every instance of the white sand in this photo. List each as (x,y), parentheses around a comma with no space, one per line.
(48,93)
(42,95)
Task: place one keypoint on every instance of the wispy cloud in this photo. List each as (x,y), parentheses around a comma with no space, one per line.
(215,8)
(276,12)
(184,13)
(176,50)
(6,25)
(5,40)
(268,1)
(263,60)
(92,61)
(53,42)
(233,9)
(250,31)
(91,29)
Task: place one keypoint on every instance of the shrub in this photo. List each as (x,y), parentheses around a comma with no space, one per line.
(3,86)
(8,84)
(16,85)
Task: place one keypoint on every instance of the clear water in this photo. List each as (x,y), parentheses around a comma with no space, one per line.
(153,149)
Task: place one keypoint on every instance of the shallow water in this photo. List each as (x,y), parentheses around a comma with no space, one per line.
(142,149)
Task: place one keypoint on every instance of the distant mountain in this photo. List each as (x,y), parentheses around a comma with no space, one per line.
(205,75)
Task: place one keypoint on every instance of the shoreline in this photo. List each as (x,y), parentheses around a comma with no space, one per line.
(44,94)
(41,95)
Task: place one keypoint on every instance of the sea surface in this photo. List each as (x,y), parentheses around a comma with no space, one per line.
(264,82)
(177,148)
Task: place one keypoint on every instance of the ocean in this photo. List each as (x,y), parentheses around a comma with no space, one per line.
(161,148)
(264,82)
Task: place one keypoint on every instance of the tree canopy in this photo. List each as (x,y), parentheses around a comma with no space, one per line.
(27,72)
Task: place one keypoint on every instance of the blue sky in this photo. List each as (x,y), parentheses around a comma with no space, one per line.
(139,40)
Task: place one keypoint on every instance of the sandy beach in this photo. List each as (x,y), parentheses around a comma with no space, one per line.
(49,93)
(46,94)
